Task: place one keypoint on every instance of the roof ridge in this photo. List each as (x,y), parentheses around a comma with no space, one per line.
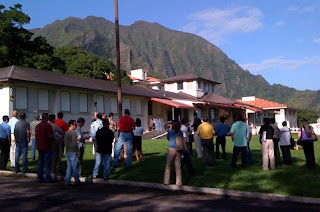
(10,74)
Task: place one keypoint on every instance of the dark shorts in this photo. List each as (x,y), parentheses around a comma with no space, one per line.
(137,143)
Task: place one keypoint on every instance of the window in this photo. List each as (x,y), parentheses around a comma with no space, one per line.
(43,99)
(65,101)
(150,108)
(138,104)
(180,85)
(100,105)
(21,98)
(126,105)
(83,103)
(114,105)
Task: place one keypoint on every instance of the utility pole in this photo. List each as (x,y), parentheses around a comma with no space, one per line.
(116,23)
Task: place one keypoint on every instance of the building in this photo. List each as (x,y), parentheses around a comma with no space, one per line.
(280,112)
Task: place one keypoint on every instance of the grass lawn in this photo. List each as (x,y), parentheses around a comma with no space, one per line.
(294,180)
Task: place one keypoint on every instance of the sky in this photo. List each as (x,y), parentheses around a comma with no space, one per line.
(279,40)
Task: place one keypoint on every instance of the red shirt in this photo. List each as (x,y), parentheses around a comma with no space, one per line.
(44,136)
(126,124)
(62,124)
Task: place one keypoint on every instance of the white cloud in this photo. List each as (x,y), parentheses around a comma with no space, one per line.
(316,40)
(279,23)
(281,64)
(214,24)
(298,9)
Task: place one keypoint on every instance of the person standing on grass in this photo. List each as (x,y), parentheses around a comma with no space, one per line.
(185,155)
(173,154)
(221,132)
(5,140)
(44,141)
(33,126)
(285,143)
(63,125)
(56,146)
(276,137)
(113,127)
(22,136)
(206,133)
(248,136)
(137,140)
(72,153)
(266,139)
(239,137)
(125,126)
(305,134)
(12,123)
(196,138)
(104,139)
(81,140)
(94,127)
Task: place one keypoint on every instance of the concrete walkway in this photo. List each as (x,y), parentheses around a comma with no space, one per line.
(190,189)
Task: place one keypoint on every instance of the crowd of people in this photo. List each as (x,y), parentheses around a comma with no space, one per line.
(53,138)
(203,134)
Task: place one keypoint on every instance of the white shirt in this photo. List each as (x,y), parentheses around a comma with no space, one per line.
(184,131)
(285,136)
(248,132)
(94,128)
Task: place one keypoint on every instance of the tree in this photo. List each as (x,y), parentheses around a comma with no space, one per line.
(308,114)
(16,46)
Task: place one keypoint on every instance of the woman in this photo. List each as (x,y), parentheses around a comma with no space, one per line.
(305,134)
(173,154)
(285,143)
(137,141)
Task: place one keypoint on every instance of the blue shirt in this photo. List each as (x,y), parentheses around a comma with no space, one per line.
(12,123)
(4,130)
(221,129)
(171,136)
(240,133)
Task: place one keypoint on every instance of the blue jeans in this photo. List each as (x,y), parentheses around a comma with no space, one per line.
(33,148)
(106,171)
(21,149)
(249,156)
(72,167)
(124,137)
(46,158)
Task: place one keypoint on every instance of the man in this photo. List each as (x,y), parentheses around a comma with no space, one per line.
(81,137)
(22,136)
(104,140)
(239,137)
(266,139)
(113,128)
(185,158)
(5,140)
(125,126)
(12,123)
(249,135)
(63,125)
(44,141)
(221,132)
(276,139)
(72,153)
(196,138)
(33,126)
(56,146)
(206,133)
(94,127)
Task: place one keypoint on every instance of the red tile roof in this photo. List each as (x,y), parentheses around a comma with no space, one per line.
(263,103)
(173,103)
(149,79)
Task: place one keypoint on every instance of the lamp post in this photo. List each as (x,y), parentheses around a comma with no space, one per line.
(116,23)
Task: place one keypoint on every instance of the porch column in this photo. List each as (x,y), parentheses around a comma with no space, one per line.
(172,113)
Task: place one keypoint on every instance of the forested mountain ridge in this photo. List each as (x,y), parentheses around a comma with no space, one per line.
(165,53)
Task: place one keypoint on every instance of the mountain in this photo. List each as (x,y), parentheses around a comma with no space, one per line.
(165,53)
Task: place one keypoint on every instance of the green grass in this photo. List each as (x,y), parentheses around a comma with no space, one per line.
(294,180)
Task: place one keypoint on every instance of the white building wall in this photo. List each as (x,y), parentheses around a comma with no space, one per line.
(280,117)
(5,104)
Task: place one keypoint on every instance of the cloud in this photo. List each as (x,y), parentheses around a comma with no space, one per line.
(279,23)
(214,24)
(316,40)
(298,9)
(281,64)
